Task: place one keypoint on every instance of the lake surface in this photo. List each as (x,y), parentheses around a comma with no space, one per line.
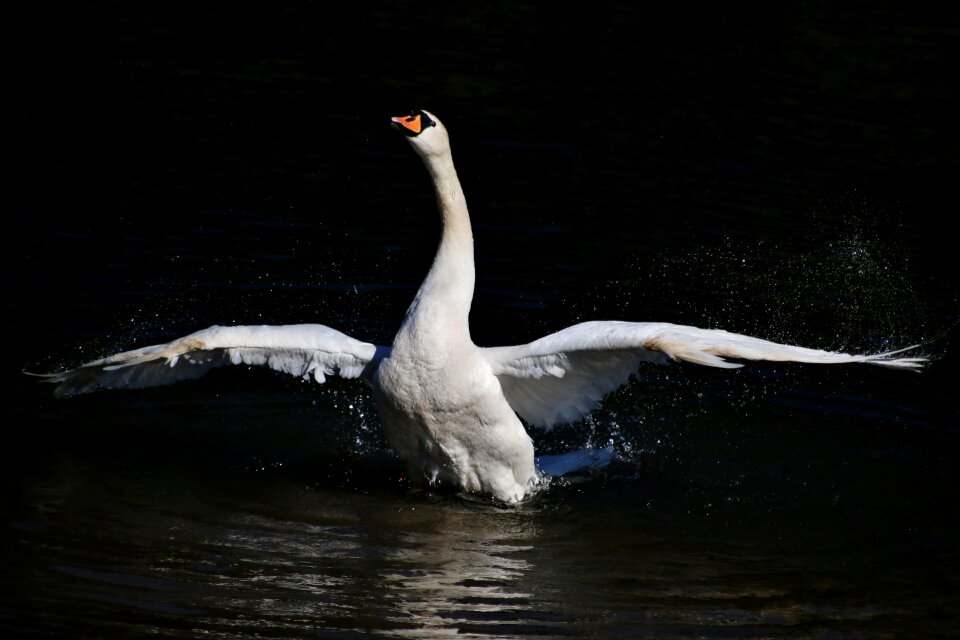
(781,172)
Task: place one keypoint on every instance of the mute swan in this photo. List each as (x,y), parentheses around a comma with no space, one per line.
(450,408)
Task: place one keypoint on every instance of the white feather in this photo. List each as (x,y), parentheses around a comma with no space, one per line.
(303,350)
(565,375)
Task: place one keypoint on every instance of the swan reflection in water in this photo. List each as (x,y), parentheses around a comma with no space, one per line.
(465,570)
(256,558)
(450,409)
(434,569)
(184,551)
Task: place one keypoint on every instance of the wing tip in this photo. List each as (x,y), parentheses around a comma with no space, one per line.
(67,382)
(915,363)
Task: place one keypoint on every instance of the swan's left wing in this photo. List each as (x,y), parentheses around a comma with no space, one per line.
(304,350)
(563,376)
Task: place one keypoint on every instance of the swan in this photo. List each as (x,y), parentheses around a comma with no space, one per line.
(450,409)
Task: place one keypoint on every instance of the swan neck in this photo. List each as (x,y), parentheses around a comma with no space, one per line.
(444,299)
(450,201)
(453,266)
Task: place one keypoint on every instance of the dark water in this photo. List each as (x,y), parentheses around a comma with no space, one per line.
(783,171)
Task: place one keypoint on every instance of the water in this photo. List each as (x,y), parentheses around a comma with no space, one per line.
(780,172)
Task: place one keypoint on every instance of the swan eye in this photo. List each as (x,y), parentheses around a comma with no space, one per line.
(426,120)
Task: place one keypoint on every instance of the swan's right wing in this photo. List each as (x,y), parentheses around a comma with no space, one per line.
(563,376)
(305,350)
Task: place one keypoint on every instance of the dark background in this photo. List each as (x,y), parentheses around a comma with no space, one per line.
(784,170)
(130,133)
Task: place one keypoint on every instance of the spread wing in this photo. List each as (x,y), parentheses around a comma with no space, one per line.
(304,350)
(563,376)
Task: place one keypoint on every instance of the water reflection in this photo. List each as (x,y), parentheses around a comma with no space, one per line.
(287,558)
(462,568)
(425,568)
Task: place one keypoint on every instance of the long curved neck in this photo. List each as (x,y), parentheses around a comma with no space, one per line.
(442,305)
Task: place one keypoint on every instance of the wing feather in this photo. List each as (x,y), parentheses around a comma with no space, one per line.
(305,350)
(565,375)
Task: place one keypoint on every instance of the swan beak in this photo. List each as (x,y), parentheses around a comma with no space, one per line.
(411,125)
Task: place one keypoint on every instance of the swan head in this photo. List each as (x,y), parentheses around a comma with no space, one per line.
(424,131)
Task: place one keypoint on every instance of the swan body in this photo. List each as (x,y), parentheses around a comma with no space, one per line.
(450,408)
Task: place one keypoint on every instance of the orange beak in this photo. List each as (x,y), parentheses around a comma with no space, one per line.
(412,124)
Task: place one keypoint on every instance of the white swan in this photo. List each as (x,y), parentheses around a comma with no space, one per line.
(450,408)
